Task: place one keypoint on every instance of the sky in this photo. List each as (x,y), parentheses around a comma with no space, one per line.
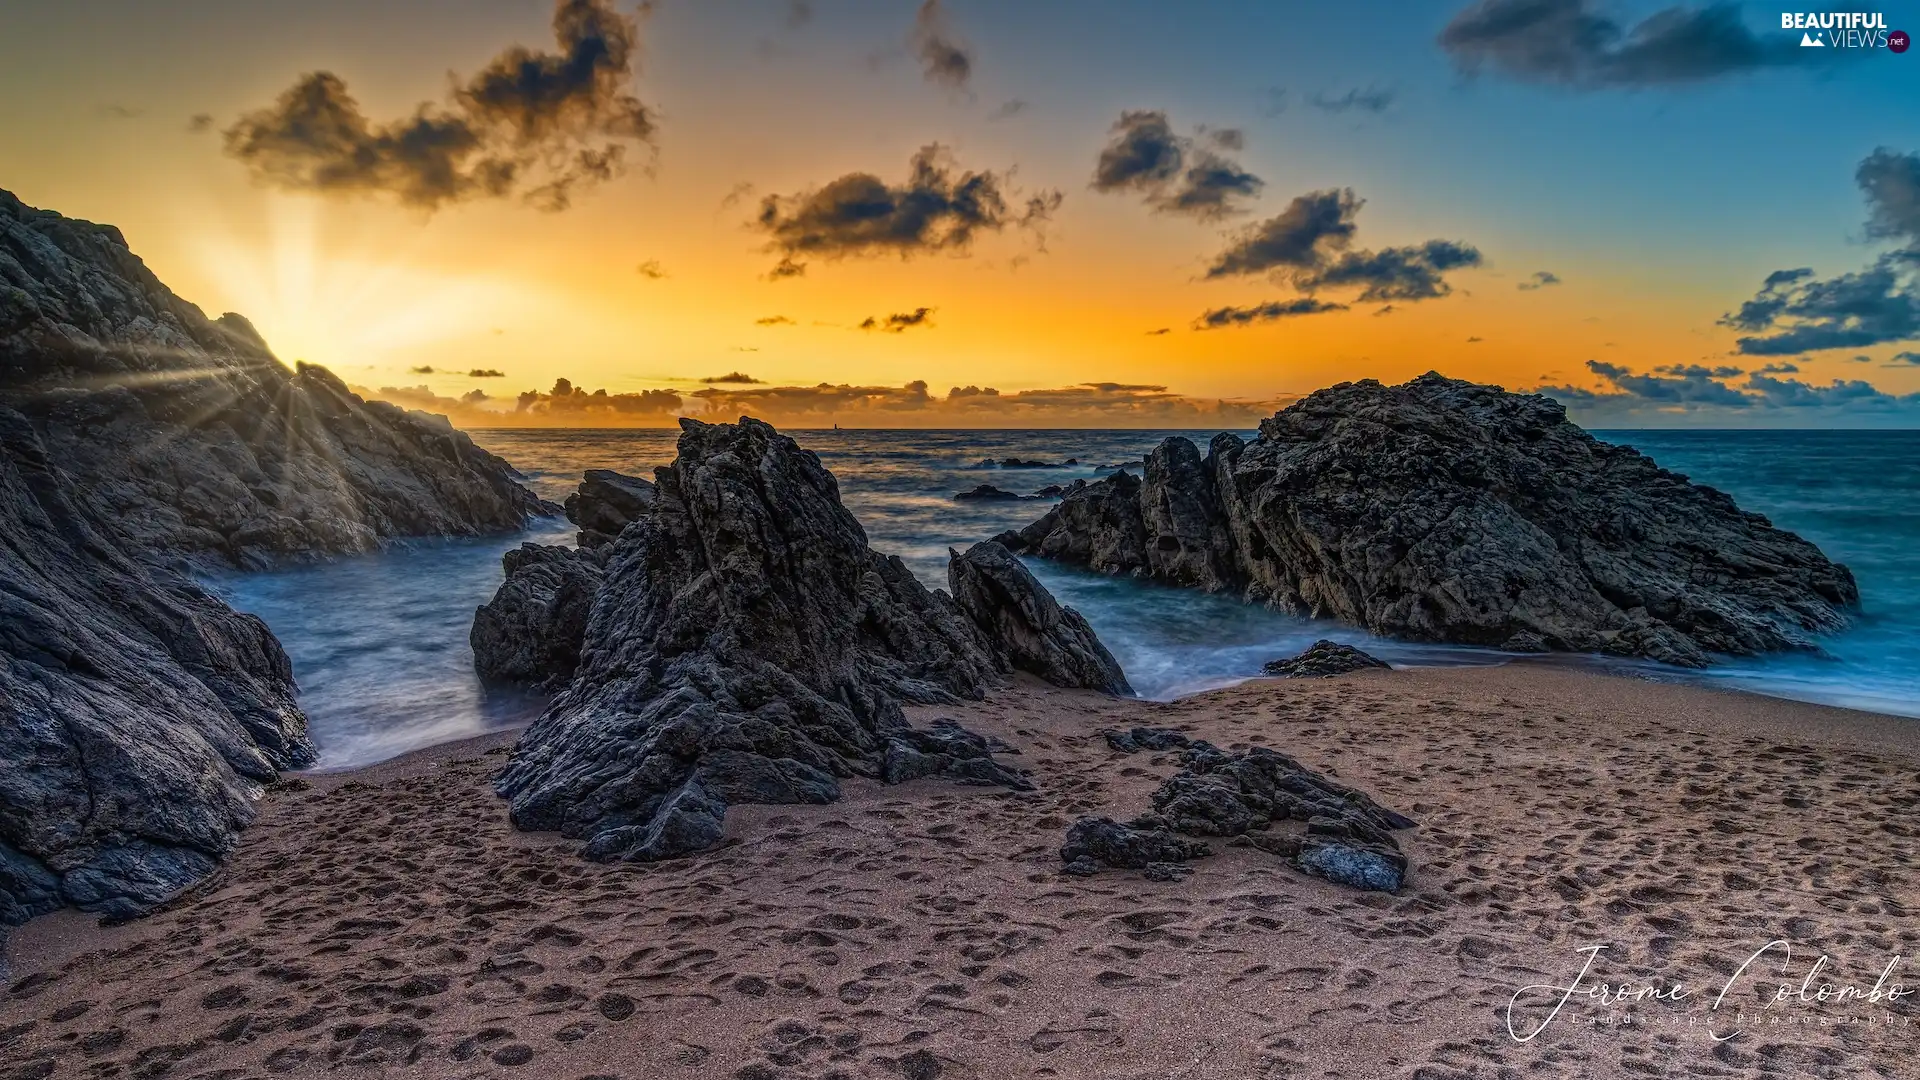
(960,212)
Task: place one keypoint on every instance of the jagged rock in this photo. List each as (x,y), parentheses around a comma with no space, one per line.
(1022,463)
(1347,838)
(951,751)
(747,646)
(1027,624)
(1440,510)
(987,492)
(531,631)
(1051,491)
(1147,738)
(1321,660)
(139,714)
(1102,842)
(605,502)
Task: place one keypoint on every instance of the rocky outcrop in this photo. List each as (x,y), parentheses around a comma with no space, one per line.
(605,503)
(988,493)
(1441,510)
(1323,659)
(747,646)
(1346,836)
(532,629)
(1026,624)
(138,714)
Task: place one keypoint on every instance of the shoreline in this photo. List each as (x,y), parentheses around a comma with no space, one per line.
(385,917)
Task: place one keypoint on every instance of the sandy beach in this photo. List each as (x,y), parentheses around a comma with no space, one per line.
(389,921)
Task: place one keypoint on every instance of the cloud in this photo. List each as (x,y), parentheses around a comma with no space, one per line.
(1160,331)
(1567,43)
(1396,273)
(1475,340)
(651,270)
(1780,368)
(425,369)
(1174,173)
(1273,102)
(1299,237)
(938,208)
(799,14)
(473,397)
(1694,390)
(200,123)
(1891,184)
(1008,110)
(773,320)
(1372,99)
(1902,358)
(1540,280)
(899,322)
(1270,311)
(943,59)
(486,373)
(121,112)
(1795,312)
(539,125)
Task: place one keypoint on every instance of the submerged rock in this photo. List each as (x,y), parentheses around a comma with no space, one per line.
(1441,510)
(1241,795)
(532,629)
(1026,624)
(987,493)
(138,439)
(605,503)
(1321,660)
(747,645)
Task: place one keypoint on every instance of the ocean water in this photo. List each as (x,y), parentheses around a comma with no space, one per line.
(379,642)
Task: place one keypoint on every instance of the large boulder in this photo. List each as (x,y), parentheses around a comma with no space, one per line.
(138,439)
(747,646)
(532,629)
(1441,510)
(605,503)
(1026,624)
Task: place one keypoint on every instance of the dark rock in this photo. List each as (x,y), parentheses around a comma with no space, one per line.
(1241,795)
(747,646)
(605,502)
(1147,738)
(138,713)
(1441,510)
(532,629)
(1026,624)
(1021,463)
(987,492)
(1051,491)
(1323,659)
(1166,871)
(1105,842)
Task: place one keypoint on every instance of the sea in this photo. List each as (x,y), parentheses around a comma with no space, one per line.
(379,642)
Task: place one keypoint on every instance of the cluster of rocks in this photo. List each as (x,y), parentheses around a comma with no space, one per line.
(1323,659)
(140,440)
(1241,796)
(990,493)
(746,645)
(1441,510)
(1024,463)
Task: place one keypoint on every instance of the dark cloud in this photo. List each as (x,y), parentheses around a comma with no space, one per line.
(424,369)
(1795,312)
(943,59)
(1540,280)
(1699,371)
(1891,184)
(799,14)
(1566,42)
(1780,368)
(1901,358)
(486,373)
(1697,389)
(1176,175)
(121,112)
(1160,331)
(938,208)
(1372,99)
(899,322)
(200,123)
(536,124)
(1395,273)
(1299,237)
(773,320)
(651,269)
(1009,110)
(1259,313)
(473,397)
(1475,340)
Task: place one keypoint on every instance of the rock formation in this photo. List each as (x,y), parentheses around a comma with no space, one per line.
(532,629)
(1321,660)
(1026,624)
(746,646)
(988,493)
(1347,837)
(1440,510)
(605,503)
(138,714)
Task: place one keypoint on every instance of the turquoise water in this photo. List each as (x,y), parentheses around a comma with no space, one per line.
(379,643)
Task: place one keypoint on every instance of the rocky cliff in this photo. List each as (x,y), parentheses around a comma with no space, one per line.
(138,714)
(1441,510)
(747,646)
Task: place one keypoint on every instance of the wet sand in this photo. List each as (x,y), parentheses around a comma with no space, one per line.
(389,921)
